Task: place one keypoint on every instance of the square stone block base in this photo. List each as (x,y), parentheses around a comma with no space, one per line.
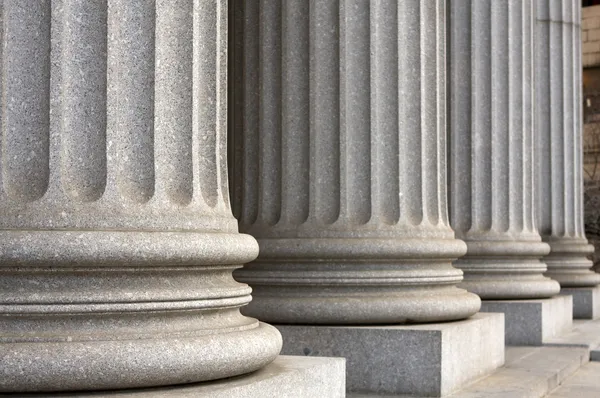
(586,301)
(422,360)
(531,322)
(286,377)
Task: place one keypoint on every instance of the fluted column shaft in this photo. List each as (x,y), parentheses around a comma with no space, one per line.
(559,143)
(117,242)
(491,149)
(339,153)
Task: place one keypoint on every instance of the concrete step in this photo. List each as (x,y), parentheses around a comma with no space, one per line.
(585,383)
(585,333)
(529,372)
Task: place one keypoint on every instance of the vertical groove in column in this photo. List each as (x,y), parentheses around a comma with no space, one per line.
(409,112)
(25,113)
(355,120)
(295,126)
(204,98)
(174,101)
(430,115)
(503,247)
(131,97)
(384,113)
(350,97)
(501,133)
(84,67)
(558,136)
(324,86)
(519,121)
(269,127)
(464,74)
(480,137)
(246,150)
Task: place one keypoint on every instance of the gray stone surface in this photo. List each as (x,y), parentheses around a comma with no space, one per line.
(285,377)
(529,372)
(117,242)
(428,359)
(491,149)
(559,154)
(585,333)
(583,384)
(586,301)
(339,170)
(533,322)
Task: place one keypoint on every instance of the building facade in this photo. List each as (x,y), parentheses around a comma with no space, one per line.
(413,165)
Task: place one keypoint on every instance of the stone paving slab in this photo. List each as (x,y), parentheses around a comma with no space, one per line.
(585,383)
(530,372)
(585,333)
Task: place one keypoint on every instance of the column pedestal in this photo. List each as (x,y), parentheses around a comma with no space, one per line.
(285,377)
(424,360)
(533,322)
(586,301)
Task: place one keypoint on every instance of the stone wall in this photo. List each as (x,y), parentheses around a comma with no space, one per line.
(590,22)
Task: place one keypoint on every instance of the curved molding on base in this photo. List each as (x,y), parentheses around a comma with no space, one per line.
(506,270)
(357,281)
(568,263)
(111,364)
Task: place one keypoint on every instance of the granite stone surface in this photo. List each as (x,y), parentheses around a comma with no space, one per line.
(117,241)
(491,155)
(529,372)
(533,322)
(285,377)
(586,301)
(338,171)
(427,360)
(558,143)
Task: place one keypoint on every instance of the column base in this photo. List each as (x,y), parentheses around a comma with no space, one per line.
(532,322)
(424,360)
(285,377)
(586,301)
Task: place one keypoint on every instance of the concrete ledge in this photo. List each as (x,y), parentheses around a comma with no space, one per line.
(425,360)
(586,301)
(529,372)
(533,322)
(286,377)
(583,384)
(585,333)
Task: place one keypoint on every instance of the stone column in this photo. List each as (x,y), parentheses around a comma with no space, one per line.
(117,242)
(558,143)
(492,204)
(340,161)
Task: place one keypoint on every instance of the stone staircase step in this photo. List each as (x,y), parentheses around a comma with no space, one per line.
(585,333)
(529,372)
(585,383)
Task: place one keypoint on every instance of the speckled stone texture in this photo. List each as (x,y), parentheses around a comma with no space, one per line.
(338,132)
(533,322)
(586,301)
(492,206)
(559,148)
(285,377)
(117,242)
(425,360)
